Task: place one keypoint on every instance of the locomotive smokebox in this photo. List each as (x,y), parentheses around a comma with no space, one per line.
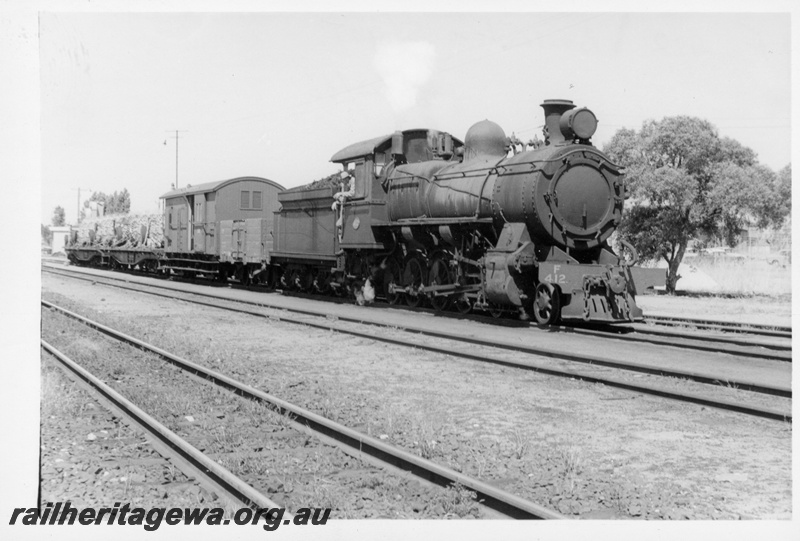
(553,111)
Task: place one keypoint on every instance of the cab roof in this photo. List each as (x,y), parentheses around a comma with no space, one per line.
(370,146)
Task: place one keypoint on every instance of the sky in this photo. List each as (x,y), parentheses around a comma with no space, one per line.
(277,94)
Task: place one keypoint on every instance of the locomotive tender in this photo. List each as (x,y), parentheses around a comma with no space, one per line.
(487,223)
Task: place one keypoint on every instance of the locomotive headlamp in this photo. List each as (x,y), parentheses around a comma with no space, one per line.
(578,124)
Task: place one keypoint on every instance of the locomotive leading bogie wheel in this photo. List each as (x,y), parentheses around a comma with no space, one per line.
(463,304)
(546,304)
(495,310)
(439,276)
(413,278)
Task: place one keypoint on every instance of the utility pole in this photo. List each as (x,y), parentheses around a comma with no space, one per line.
(177,139)
(78,216)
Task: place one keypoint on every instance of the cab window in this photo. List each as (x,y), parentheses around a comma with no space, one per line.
(358,171)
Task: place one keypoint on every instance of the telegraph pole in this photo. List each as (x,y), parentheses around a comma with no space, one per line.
(78,216)
(177,139)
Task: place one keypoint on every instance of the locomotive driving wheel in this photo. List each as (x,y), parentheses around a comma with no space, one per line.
(391,275)
(440,275)
(546,304)
(414,279)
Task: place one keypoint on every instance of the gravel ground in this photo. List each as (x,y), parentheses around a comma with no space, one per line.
(254,442)
(585,450)
(90,457)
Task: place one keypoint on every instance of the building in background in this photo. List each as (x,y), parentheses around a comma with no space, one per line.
(60,238)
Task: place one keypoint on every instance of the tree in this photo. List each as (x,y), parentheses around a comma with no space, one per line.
(783,190)
(59,217)
(686,182)
(116,203)
(47,235)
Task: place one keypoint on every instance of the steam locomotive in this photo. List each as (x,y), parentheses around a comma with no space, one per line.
(488,223)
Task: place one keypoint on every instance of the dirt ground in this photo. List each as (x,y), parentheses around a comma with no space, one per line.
(585,450)
(756,309)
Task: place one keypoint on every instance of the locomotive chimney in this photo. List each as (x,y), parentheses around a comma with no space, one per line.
(553,109)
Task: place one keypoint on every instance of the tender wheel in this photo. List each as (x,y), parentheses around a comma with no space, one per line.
(547,304)
(304,280)
(413,278)
(322,284)
(289,280)
(275,279)
(439,276)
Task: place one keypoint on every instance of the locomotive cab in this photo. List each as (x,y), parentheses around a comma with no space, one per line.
(364,204)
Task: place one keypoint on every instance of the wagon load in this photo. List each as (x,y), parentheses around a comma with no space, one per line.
(122,230)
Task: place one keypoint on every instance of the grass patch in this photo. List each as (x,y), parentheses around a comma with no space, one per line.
(457,501)
(59,394)
(746,278)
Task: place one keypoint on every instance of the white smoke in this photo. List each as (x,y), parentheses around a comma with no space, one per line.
(404,68)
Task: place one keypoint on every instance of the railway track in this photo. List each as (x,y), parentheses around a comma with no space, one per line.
(590,361)
(778,349)
(752,346)
(189,459)
(778,331)
(355,443)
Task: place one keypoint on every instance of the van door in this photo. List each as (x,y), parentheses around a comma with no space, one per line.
(199,225)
